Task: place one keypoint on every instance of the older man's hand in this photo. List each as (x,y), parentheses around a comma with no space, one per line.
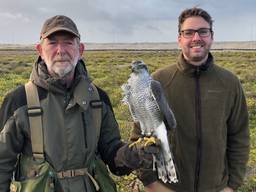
(137,155)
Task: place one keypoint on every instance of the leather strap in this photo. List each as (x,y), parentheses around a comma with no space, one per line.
(77,172)
(72,173)
(35,120)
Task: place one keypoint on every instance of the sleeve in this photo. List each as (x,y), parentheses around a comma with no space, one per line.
(10,144)
(110,139)
(238,142)
(146,176)
(7,109)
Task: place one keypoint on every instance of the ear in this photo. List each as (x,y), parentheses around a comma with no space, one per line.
(212,35)
(179,39)
(81,49)
(39,49)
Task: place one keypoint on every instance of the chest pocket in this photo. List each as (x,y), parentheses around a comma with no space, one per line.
(92,118)
(92,123)
(214,102)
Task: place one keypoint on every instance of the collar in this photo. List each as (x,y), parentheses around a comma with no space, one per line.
(191,70)
(41,77)
(81,95)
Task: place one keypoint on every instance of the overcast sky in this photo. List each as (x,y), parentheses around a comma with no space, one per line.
(132,21)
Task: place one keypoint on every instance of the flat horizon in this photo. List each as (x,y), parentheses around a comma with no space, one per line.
(243,45)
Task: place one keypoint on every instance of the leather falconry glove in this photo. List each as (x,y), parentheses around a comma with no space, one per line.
(138,154)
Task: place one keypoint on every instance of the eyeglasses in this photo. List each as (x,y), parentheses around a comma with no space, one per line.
(202,32)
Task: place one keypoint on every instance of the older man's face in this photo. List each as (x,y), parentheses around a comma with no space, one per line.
(60,52)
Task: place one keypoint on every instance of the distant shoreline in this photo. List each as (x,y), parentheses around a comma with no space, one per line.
(218,46)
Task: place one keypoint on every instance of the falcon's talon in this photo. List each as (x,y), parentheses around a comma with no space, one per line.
(149,141)
(135,142)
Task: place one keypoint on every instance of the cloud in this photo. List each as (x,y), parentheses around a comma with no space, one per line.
(10,16)
(125,20)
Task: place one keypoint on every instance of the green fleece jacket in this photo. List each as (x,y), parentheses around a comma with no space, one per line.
(211,142)
(69,134)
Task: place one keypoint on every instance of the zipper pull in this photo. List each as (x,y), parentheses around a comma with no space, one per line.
(67,98)
(197,72)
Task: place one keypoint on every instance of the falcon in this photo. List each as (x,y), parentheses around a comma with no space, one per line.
(148,106)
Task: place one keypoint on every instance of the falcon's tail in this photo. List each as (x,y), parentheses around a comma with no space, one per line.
(164,161)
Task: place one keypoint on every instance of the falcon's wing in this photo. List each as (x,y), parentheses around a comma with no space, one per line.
(127,100)
(132,110)
(158,94)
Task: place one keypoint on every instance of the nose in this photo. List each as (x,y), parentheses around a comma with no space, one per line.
(60,48)
(196,36)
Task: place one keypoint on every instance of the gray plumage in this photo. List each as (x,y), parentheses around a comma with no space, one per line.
(148,106)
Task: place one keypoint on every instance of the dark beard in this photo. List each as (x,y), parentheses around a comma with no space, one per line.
(199,58)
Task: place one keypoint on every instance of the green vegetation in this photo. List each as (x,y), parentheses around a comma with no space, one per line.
(110,69)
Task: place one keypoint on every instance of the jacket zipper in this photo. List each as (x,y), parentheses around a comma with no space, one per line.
(198,128)
(66,98)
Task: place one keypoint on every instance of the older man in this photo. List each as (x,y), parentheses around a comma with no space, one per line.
(69,129)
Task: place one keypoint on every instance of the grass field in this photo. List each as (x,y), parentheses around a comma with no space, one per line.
(110,69)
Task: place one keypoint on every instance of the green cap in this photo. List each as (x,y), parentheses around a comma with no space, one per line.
(58,23)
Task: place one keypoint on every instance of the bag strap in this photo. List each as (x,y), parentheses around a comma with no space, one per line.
(96,104)
(35,120)
(35,117)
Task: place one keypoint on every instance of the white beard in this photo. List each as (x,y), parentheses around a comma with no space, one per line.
(63,72)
